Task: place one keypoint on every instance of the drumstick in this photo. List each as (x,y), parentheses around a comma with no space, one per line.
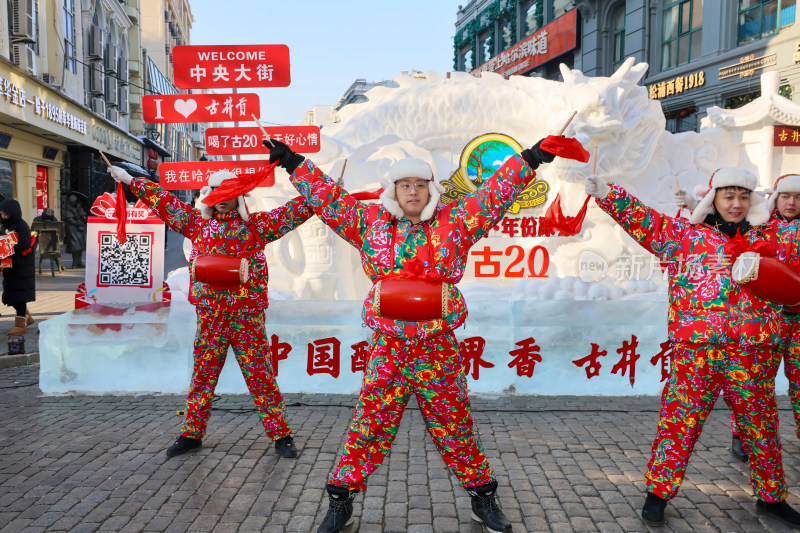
(594,162)
(105,159)
(677,185)
(340,181)
(568,121)
(262,129)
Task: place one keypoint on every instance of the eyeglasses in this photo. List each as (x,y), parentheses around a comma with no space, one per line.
(418,186)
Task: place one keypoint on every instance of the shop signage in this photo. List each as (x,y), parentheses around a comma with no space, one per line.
(232,141)
(551,41)
(178,108)
(15,95)
(677,85)
(41,190)
(747,66)
(194,174)
(214,67)
(112,140)
(786,136)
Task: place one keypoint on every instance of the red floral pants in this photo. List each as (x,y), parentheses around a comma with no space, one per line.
(432,370)
(791,368)
(699,372)
(244,332)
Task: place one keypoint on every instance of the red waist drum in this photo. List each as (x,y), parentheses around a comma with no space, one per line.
(225,270)
(410,300)
(767,278)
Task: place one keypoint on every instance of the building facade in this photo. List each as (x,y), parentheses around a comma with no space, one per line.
(64,97)
(701,53)
(72,77)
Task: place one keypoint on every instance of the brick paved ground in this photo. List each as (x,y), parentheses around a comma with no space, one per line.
(564,464)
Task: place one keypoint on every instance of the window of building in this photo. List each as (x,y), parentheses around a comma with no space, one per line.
(69,36)
(682,32)
(759,19)
(681,120)
(560,7)
(485,51)
(6,180)
(734,102)
(466,61)
(507,33)
(532,17)
(618,36)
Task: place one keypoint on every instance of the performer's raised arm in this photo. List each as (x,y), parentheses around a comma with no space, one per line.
(177,215)
(342,212)
(656,232)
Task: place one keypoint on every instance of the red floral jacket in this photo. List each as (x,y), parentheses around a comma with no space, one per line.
(435,249)
(705,305)
(226,234)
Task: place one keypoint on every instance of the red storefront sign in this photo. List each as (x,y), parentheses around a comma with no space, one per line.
(231,141)
(214,67)
(41,190)
(194,174)
(177,108)
(786,136)
(558,37)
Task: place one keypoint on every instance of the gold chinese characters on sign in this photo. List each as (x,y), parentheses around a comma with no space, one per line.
(747,66)
(677,85)
(796,55)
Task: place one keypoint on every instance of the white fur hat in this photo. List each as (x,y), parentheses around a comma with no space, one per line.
(786,183)
(732,177)
(214,181)
(410,167)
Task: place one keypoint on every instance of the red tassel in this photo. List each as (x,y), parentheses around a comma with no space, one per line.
(566,226)
(738,245)
(234,188)
(367,195)
(121,210)
(567,147)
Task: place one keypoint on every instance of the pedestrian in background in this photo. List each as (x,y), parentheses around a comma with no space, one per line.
(19,281)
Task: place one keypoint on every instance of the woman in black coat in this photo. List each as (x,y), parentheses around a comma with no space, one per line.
(19,281)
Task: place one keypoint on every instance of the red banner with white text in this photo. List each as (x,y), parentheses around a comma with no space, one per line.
(232,141)
(194,174)
(221,66)
(178,108)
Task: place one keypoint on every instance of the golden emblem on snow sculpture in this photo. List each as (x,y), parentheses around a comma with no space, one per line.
(484,155)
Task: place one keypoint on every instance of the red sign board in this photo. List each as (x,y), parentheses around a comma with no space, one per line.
(214,67)
(551,41)
(177,108)
(41,190)
(230,141)
(786,136)
(194,174)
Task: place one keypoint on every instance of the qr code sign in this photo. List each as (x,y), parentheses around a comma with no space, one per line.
(128,264)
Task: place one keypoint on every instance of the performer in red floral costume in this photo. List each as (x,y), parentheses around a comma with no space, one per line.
(409,245)
(721,332)
(227,315)
(784,207)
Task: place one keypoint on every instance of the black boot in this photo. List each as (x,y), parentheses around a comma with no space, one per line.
(736,449)
(183,445)
(285,447)
(340,512)
(653,510)
(485,509)
(780,510)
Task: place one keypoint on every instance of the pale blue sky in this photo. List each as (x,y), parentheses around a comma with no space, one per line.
(331,44)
